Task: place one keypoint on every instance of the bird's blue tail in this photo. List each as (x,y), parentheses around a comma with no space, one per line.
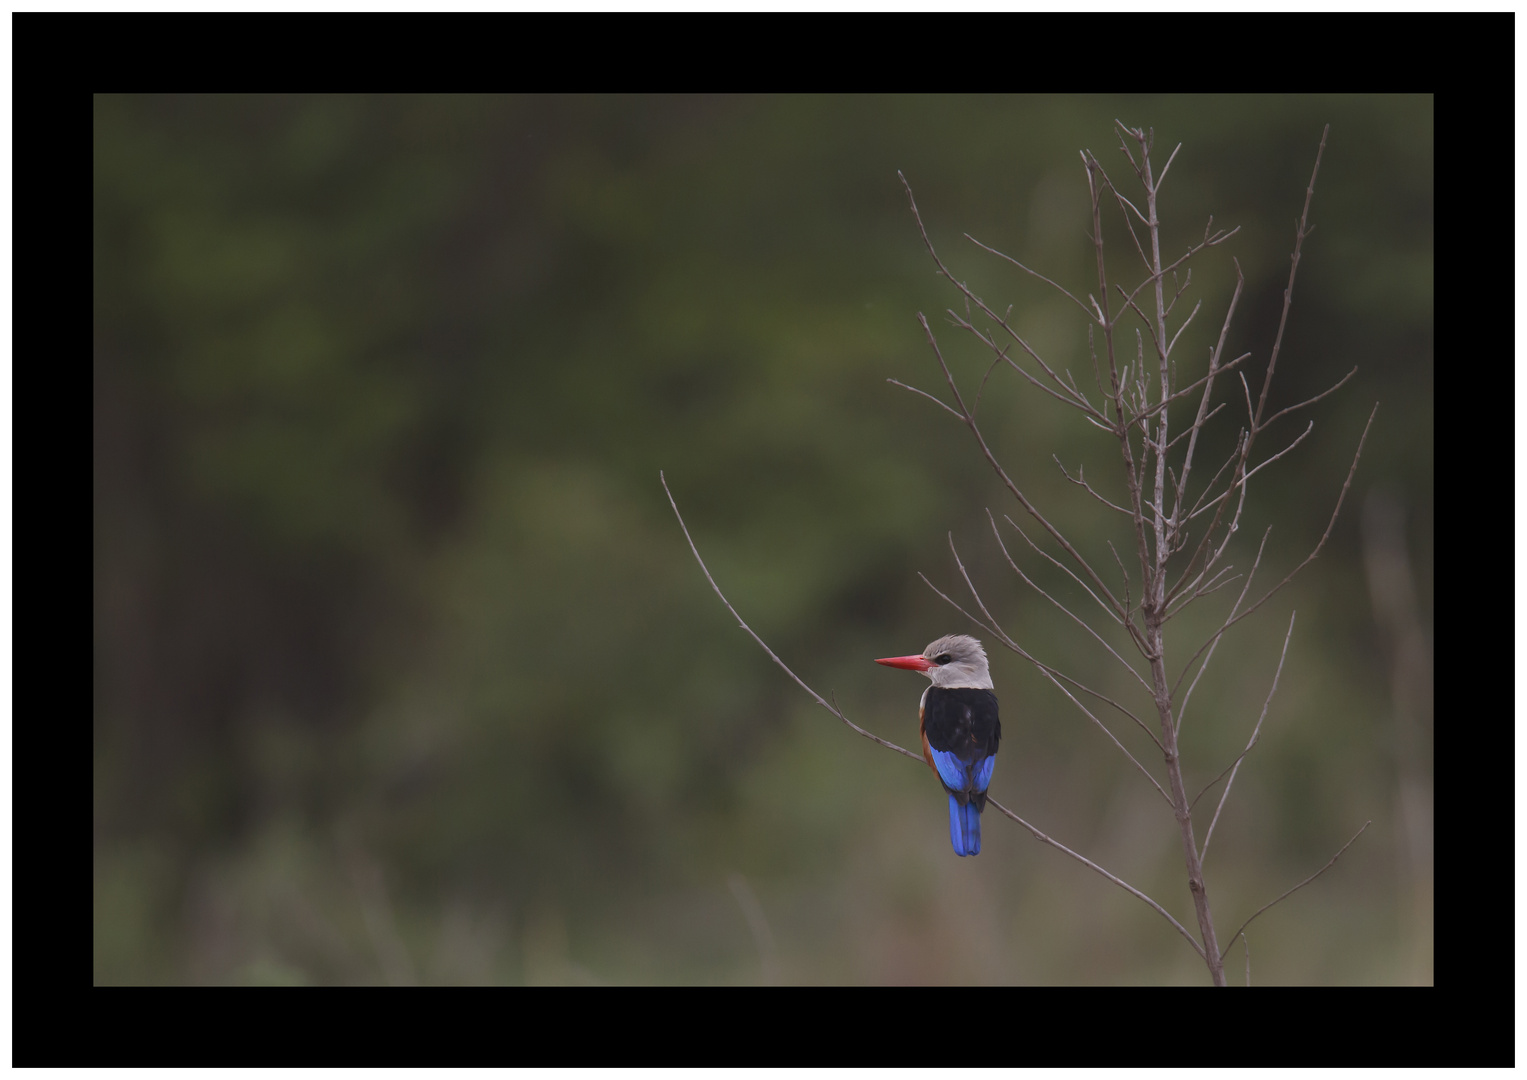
(964,827)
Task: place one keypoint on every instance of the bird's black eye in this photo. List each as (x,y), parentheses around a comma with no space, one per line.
(942,658)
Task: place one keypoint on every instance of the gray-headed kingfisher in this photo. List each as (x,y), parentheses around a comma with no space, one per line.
(958,720)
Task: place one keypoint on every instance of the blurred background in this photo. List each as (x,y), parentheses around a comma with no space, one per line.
(403,670)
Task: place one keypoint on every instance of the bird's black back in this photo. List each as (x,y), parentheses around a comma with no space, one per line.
(962,720)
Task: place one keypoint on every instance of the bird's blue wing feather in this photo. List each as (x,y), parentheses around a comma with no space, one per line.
(983,773)
(951,770)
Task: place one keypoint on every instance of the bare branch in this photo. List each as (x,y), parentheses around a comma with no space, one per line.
(1161,179)
(1177,295)
(1098,377)
(1308,401)
(1240,483)
(1063,291)
(1130,225)
(1129,302)
(1081,481)
(1205,589)
(782,665)
(1173,343)
(1209,786)
(1186,390)
(1301,231)
(1256,733)
(1120,563)
(1192,431)
(1043,839)
(981,392)
(957,415)
(1299,886)
(1229,461)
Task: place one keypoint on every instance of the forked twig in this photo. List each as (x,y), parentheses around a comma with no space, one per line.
(1295,889)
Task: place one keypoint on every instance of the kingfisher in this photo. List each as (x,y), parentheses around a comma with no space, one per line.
(958,720)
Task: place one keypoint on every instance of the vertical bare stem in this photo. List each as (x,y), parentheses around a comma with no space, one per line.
(1153,606)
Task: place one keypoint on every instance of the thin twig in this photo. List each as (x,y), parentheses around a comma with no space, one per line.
(1001,356)
(1242,480)
(930,397)
(1192,431)
(1308,401)
(1161,178)
(1301,231)
(1173,344)
(782,665)
(1042,838)
(1128,610)
(1256,733)
(1081,481)
(1299,886)
(1186,390)
(1205,589)
(1231,460)
(1217,779)
(1035,273)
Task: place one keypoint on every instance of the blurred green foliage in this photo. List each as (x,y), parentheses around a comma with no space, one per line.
(403,671)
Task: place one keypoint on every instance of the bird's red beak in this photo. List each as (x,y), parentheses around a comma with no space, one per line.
(911,663)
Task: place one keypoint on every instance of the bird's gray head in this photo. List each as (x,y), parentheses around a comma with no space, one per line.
(951,661)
